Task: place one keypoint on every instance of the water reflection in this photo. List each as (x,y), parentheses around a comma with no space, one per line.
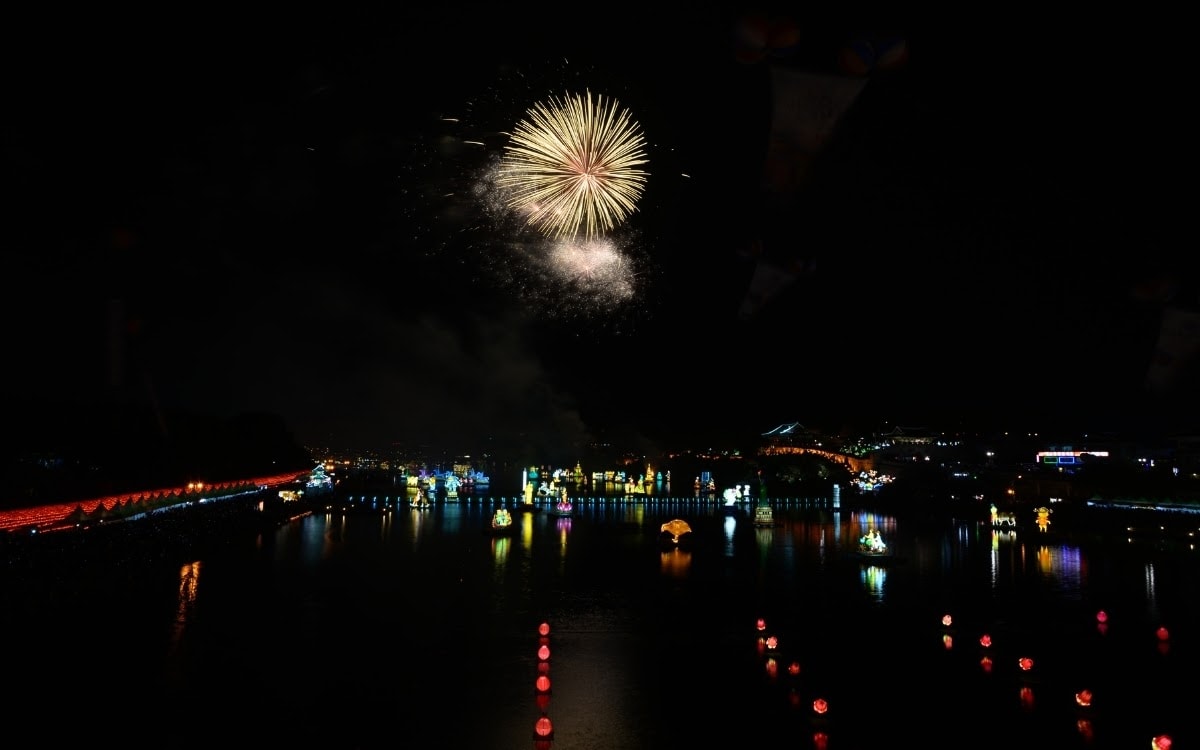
(874,578)
(730,526)
(1062,567)
(676,562)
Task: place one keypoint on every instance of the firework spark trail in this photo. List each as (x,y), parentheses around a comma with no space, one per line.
(572,167)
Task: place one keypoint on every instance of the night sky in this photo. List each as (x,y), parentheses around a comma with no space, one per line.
(285,212)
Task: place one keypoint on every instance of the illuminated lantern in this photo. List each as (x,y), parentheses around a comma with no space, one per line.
(1101,616)
(772,642)
(544,629)
(1161,742)
(542,684)
(947,621)
(1025,663)
(1162,634)
(985,640)
(794,668)
(543,728)
(1084,698)
(821,706)
(544,652)
(762,624)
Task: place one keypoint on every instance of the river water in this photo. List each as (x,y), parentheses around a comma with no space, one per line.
(382,626)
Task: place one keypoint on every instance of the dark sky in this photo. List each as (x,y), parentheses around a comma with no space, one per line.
(287,212)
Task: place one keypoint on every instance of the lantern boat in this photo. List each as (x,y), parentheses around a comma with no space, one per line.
(871,547)
(502,522)
(673,532)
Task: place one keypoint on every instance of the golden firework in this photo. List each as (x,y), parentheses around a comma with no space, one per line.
(573,166)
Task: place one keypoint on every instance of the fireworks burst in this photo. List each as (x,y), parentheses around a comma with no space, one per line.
(573,166)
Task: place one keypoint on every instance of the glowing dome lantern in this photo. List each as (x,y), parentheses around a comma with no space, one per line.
(947,621)
(1084,697)
(544,629)
(542,684)
(761,625)
(985,640)
(821,706)
(1101,617)
(543,728)
(772,642)
(1025,663)
(544,652)
(1162,634)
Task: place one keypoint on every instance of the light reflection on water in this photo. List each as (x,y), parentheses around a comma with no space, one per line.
(425,619)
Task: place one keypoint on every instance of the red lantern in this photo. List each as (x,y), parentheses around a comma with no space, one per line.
(1162,634)
(544,652)
(1161,742)
(1025,663)
(772,642)
(947,620)
(1101,616)
(1084,697)
(985,640)
(544,629)
(543,728)
(821,706)
(542,684)
(794,668)
(761,624)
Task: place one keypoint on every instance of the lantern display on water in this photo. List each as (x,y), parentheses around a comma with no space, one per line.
(761,625)
(947,621)
(1162,634)
(772,643)
(1101,617)
(544,652)
(1161,742)
(820,706)
(1084,697)
(543,728)
(542,684)
(544,629)
(794,668)
(1025,663)
(985,640)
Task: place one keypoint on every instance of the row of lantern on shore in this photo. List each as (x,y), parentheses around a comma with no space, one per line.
(543,728)
(768,647)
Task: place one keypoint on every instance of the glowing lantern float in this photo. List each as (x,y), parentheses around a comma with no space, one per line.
(985,640)
(1162,634)
(821,706)
(543,728)
(1161,742)
(1084,698)
(544,629)
(794,668)
(544,652)
(761,625)
(772,642)
(1101,617)
(542,684)
(1025,663)
(947,621)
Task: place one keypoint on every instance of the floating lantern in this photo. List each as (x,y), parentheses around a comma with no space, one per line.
(947,621)
(772,642)
(762,624)
(821,706)
(542,684)
(544,629)
(543,728)
(544,652)
(794,668)
(1025,663)
(1162,634)
(985,640)
(1161,742)
(1084,698)
(1101,616)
